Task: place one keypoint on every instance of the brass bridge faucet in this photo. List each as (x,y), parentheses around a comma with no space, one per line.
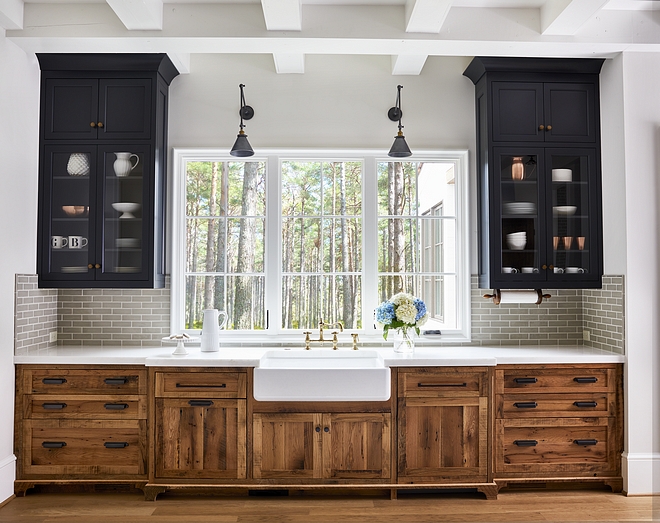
(321,339)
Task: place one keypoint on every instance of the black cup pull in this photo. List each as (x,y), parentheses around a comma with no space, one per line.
(326,429)
(431,385)
(53,406)
(115,444)
(116,406)
(115,381)
(200,403)
(585,442)
(318,429)
(590,379)
(526,442)
(525,405)
(585,404)
(53,381)
(53,444)
(525,380)
(198,386)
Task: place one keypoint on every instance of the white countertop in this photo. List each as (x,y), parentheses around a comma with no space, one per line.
(249,357)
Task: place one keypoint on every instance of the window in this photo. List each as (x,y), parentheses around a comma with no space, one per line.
(286,239)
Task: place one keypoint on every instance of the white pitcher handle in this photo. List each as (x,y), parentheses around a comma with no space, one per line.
(224,318)
(137,160)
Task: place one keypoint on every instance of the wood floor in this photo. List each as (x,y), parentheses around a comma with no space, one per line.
(514,506)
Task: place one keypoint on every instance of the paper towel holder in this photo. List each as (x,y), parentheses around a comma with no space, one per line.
(497,296)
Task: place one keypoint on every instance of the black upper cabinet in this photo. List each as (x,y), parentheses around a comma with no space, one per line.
(539,181)
(103,152)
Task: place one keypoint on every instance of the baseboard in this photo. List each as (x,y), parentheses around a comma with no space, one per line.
(641,473)
(7,477)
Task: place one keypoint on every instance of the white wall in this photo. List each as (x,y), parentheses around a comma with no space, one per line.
(641,77)
(19,107)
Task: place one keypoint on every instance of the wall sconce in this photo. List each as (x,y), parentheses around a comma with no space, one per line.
(399,148)
(241,146)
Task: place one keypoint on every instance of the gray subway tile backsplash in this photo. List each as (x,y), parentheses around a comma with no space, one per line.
(140,317)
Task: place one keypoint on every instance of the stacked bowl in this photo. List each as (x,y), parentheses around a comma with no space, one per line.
(516,240)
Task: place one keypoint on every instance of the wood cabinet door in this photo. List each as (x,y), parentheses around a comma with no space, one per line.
(443,440)
(287,446)
(356,446)
(200,438)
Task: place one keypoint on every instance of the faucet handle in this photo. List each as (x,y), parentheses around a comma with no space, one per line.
(355,340)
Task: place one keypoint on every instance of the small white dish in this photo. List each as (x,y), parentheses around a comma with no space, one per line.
(562,175)
(564,209)
(127,269)
(127,242)
(75,269)
(126,208)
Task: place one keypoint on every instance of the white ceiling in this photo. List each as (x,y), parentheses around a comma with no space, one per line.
(407,30)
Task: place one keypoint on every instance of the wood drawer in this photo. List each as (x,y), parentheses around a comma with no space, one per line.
(97,449)
(201,384)
(442,382)
(562,447)
(554,405)
(64,406)
(85,381)
(546,378)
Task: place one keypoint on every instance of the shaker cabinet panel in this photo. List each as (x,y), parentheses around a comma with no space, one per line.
(517,112)
(125,110)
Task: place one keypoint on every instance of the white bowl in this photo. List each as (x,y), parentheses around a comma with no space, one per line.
(564,209)
(562,175)
(127,242)
(516,244)
(127,208)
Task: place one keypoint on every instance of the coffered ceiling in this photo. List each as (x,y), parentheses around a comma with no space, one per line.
(407,30)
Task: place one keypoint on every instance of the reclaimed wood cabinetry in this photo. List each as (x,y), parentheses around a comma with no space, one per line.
(103,165)
(558,422)
(74,423)
(200,424)
(443,425)
(538,164)
(322,446)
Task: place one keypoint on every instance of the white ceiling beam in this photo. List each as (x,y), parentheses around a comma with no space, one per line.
(139,14)
(565,17)
(289,63)
(426,16)
(408,64)
(282,15)
(11,14)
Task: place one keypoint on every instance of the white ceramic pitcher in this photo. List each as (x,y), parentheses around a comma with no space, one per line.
(211,329)
(123,164)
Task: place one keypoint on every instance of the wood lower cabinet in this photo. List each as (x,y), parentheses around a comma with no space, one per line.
(443,425)
(558,422)
(74,423)
(200,424)
(322,446)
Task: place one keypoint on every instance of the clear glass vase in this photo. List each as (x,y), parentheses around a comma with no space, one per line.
(403,342)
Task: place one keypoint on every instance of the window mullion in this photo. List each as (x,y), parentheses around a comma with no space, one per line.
(369,243)
(273,246)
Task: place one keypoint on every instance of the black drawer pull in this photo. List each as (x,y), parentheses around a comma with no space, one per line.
(585,404)
(526,442)
(525,405)
(53,406)
(585,442)
(590,379)
(187,386)
(53,381)
(53,444)
(115,444)
(116,406)
(431,385)
(318,429)
(200,403)
(326,429)
(525,380)
(115,381)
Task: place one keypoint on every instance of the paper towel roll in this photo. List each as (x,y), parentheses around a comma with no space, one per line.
(520,296)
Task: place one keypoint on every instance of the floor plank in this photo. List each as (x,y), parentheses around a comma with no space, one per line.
(511,506)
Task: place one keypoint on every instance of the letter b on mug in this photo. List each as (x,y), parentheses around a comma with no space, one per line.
(77,242)
(58,242)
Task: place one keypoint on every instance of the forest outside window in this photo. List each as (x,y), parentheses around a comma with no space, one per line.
(282,241)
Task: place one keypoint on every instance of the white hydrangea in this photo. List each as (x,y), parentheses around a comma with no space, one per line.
(406,312)
(422,320)
(402,298)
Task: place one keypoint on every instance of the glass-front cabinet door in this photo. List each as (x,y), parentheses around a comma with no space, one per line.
(520,203)
(572,226)
(125,203)
(93,210)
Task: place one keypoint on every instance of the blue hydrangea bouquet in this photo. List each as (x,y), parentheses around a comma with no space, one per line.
(402,311)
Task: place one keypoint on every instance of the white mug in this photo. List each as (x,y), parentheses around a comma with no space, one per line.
(574,270)
(77,242)
(559,270)
(529,269)
(59,242)
(509,270)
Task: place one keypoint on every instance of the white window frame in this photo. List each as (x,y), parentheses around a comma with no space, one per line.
(272,256)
